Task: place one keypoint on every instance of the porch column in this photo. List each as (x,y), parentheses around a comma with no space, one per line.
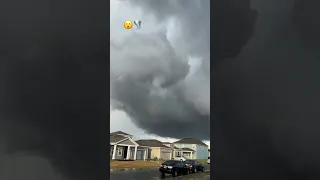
(147,152)
(144,154)
(114,151)
(135,153)
(128,153)
(191,155)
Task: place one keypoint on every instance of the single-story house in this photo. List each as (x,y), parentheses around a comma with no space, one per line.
(156,149)
(122,146)
(192,148)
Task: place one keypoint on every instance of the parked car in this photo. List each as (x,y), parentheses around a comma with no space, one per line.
(174,167)
(179,158)
(208,161)
(194,166)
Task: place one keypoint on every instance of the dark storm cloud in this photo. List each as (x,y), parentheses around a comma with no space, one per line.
(150,90)
(54,83)
(194,15)
(153,82)
(268,95)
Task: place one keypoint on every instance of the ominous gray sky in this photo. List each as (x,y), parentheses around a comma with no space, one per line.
(160,74)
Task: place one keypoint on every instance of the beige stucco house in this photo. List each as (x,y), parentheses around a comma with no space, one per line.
(156,149)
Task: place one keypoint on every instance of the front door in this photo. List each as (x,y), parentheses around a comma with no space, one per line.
(125,153)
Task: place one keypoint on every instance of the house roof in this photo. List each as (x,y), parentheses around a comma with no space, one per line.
(116,138)
(190,141)
(151,143)
(187,149)
(167,143)
(120,132)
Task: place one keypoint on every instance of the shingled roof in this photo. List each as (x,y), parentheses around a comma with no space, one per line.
(120,132)
(187,149)
(190,141)
(151,143)
(167,143)
(116,138)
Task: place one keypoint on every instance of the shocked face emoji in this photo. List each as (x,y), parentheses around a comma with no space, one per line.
(127,24)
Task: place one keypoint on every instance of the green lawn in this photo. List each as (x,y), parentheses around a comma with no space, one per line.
(203,161)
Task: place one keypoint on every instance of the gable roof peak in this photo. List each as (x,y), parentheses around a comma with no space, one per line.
(190,141)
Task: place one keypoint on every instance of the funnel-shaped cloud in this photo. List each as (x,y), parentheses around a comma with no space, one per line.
(161,76)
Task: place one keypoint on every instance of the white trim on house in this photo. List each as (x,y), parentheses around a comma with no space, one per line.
(111,151)
(120,152)
(122,140)
(144,146)
(128,154)
(165,150)
(119,141)
(125,135)
(130,139)
(125,145)
(127,138)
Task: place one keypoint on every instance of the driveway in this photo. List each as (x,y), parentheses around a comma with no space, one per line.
(155,174)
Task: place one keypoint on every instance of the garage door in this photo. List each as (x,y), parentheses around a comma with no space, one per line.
(166,155)
(139,154)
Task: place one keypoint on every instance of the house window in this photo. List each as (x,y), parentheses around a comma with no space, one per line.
(111,151)
(178,153)
(119,151)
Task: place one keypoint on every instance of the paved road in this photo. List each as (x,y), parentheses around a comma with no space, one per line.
(154,174)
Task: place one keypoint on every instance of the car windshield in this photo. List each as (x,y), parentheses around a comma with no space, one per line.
(189,161)
(169,163)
